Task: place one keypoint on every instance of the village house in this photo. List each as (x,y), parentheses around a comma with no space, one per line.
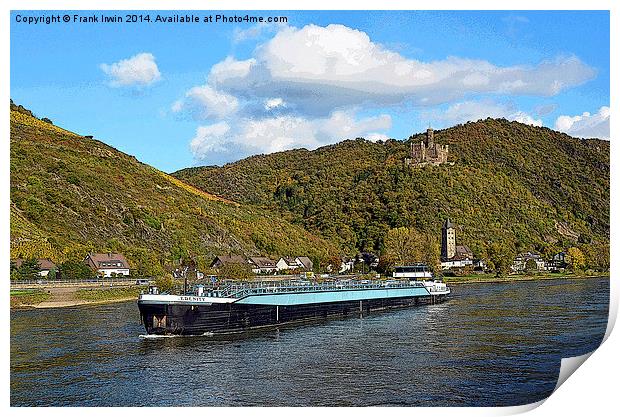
(520,262)
(45,266)
(262,265)
(557,262)
(346,264)
(285,263)
(480,265)
(298,263)
(457,263)
(305,262)
(107,264)
(222,260)
(463,257)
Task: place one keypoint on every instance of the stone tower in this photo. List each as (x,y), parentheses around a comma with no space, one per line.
(430,140)
(448,240)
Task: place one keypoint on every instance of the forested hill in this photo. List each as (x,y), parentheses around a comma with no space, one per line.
(71,194)
(526,187)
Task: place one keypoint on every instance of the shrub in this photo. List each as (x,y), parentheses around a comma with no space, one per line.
(75,270)
(29,269)
(165,283)
(236,271)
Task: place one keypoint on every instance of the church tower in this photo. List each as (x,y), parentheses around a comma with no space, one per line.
(448,240)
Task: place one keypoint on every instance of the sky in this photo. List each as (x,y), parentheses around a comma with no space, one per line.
(188,94)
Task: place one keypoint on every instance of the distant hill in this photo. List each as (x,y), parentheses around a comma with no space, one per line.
(72,194)
(528,187)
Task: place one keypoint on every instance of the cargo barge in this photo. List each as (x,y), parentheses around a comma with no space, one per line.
(238,307)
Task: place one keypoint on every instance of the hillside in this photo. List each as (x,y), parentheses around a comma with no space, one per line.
(71,194)
(526,187)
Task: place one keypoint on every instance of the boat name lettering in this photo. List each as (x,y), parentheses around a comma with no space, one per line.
(191,298)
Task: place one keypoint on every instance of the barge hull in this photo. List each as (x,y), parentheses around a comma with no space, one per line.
(199,319)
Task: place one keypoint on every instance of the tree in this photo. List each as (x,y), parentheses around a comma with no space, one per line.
(52,274)
(75,270)
(549,251)
(502,256)
(177,254)
(575,259)
(29,269)
(14,270)
(145,262)
(400,246)
(596,256)
(404,245)
(333,265)
(165,283)
(386,265)
(236,271)
(530,265)
(430,252)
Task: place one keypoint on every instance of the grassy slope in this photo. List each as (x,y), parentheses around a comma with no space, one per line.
(28,297)
(70,194)
(531,187)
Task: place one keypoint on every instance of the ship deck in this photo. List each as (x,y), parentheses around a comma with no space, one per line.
(243,289)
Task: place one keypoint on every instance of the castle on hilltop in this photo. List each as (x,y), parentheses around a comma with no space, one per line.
(427,152)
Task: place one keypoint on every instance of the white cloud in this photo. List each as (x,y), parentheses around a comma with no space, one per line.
(586,125)
(525,118)
(475,110)
(277,134)
(343,125)
(514,24)
(274,103)
(209,139)
(255,31)
(545,109)
(230,68)
(274,134)
(375,137)
(319,69)
(204,102)
(139,70)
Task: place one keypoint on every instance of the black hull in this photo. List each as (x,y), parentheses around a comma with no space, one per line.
(196,319)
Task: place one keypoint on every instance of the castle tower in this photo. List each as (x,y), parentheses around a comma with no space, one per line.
(448,240)
(430,140)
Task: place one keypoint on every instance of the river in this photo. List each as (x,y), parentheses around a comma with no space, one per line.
(489,345)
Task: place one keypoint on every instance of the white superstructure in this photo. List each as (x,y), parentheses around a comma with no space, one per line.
(417,271)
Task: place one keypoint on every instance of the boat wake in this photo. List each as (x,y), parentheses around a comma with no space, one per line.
(166,336)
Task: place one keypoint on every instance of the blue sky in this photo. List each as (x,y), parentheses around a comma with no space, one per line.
(178,95)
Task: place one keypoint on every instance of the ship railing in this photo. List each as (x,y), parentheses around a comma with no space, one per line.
(267,287)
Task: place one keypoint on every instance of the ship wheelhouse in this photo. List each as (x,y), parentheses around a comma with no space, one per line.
(413,272)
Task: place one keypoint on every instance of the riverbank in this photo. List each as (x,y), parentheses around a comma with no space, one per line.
(26,298)
(71,297)
(491,278)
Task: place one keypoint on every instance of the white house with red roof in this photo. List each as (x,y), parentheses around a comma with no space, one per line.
(108,264)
